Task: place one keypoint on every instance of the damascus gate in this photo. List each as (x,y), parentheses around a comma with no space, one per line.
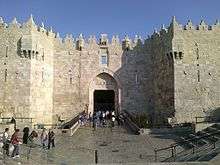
(172,75)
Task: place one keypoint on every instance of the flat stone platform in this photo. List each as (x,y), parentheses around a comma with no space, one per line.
(116,146)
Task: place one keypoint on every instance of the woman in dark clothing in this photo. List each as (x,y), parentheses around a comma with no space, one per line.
(25,134)
(51,138)
(30,139)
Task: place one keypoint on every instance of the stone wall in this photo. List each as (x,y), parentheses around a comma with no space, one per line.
(74,71)
(197,76)
(14,74)
(25,51)
(172,74)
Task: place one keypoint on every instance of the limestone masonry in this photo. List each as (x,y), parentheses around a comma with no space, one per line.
(173,75)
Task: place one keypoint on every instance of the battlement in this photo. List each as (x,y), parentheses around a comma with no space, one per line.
(202,26)
(175,26)
(126,43)
(29,25)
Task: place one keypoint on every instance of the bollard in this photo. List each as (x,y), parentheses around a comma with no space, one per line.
(96,156)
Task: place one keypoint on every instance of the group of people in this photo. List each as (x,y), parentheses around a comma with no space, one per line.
(100,118)
(46,139)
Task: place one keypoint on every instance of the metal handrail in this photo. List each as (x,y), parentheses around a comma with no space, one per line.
(73,121)
(186,141)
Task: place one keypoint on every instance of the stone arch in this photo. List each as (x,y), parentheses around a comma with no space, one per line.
(110,82)
(108,71)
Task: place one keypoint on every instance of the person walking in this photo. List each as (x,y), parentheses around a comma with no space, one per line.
(90,118)
(13,121)
(51,139)
(113,121)
(44,138)
(25,134)
(94,122)
(15,142)
(6,141)
(30,139)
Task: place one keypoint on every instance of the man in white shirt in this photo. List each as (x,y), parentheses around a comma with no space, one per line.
(113,121)
(6,141)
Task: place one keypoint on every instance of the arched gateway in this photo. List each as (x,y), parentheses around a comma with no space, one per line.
(104,92)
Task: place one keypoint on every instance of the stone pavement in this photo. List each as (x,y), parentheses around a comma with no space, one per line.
(116,146)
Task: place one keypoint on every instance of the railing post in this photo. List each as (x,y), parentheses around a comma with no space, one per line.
(155,155)
(96,156)
(174,153)
(193,149)
(213,145)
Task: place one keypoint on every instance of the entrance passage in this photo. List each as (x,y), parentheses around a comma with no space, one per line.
(104,100)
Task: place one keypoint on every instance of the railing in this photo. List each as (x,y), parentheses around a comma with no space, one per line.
(41,126)
(8,119)
(130,122)
(192,150)
(73,121)
(205,119)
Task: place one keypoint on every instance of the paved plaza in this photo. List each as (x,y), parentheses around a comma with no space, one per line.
(116,146)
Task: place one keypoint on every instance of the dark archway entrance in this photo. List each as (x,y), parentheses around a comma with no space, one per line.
(104,100)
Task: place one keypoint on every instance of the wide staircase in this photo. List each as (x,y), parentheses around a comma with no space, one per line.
(201,146)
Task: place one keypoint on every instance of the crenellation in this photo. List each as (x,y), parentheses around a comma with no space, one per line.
(2,23)
(203,26)
(216,25)
(189,26)
(115,40)
(15,23)
(126,43)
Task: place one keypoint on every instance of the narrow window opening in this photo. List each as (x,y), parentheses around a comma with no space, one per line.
(42,75)
(29,54)
(43,56)
(25,53)
(6,74)
(136,78)
(175,55)
(6,53)
(71,80)
(198,73)
(33,54)
(197,53)
(171,55)
(181,55)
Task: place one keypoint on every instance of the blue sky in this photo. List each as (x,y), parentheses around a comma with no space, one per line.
(114,17)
